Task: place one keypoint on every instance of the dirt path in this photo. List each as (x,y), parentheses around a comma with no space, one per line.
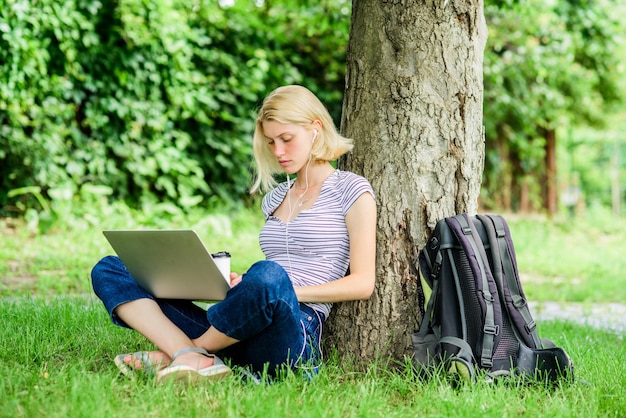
(609,316)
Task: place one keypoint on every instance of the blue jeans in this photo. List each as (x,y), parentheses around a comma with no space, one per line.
(262,312)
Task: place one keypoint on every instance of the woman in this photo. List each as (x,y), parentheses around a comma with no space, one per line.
(317,225)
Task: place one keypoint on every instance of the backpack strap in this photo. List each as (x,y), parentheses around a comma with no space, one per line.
(465,351)
(490,329)
(496,229)
(429,265)
(433,266)
(425,325)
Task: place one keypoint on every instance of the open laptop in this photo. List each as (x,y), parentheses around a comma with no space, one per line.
(170,264)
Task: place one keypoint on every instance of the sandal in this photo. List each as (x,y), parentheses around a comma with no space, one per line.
(147,365)
(183,373)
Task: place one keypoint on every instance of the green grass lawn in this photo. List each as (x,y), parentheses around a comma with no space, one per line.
(56,361)
(59,261)
(57,343)
(580,260)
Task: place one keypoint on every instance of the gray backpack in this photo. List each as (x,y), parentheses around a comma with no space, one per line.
(476,316)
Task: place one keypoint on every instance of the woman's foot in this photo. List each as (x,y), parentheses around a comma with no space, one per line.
(193,364)
(149,362)
(195,360)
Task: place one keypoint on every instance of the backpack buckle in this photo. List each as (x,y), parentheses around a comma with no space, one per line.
(530,327)
(491,329)
(434,274)
(486,362)
(519,302)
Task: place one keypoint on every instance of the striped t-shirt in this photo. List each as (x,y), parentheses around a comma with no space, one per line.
(313,248)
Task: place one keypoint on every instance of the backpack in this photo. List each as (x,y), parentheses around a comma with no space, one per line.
(476,316)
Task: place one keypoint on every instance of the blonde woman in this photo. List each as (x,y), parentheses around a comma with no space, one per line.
(318,224)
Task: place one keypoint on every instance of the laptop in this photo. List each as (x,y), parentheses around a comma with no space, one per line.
(170,264)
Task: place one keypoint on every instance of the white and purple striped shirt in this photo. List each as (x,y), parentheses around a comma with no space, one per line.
(313,248)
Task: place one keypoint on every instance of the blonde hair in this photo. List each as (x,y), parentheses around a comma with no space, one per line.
(294,105)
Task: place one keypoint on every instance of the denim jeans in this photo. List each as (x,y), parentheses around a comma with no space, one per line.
(262,312)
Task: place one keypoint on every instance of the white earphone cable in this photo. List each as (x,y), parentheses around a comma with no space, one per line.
(291,210)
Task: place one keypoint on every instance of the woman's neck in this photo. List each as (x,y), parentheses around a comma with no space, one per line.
(314,175)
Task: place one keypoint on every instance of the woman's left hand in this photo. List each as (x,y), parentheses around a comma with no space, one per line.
(235,279)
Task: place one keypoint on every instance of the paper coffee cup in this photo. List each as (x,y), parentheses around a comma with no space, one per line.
(222,260)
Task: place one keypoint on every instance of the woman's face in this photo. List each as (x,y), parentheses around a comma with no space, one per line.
(291,144)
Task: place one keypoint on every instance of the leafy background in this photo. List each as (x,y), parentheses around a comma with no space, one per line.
(152,102)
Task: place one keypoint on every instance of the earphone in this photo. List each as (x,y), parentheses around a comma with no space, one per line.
(314,135)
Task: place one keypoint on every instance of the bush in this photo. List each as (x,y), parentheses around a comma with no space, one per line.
(154,99)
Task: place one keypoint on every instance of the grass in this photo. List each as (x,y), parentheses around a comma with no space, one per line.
(57,343)
(573,260)
(59,261)
(56,361)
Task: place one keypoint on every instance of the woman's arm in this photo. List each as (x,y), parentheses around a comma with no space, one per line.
(359,284)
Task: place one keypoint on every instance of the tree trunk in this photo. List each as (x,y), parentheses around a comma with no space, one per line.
(525,205)
(549,183)
(413,103)
(499,178)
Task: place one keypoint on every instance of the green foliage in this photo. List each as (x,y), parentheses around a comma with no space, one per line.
(155,100)
(593,160)
(547,65)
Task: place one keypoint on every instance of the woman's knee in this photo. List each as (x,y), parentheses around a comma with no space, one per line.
(106,265)
(106,270)
(267,273)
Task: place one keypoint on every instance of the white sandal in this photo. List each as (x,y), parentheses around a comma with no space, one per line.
(183,373)
(147,365)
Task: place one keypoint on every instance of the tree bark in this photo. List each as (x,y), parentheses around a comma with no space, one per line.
(413,104)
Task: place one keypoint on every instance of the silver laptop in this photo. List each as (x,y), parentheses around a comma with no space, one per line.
(170,264)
